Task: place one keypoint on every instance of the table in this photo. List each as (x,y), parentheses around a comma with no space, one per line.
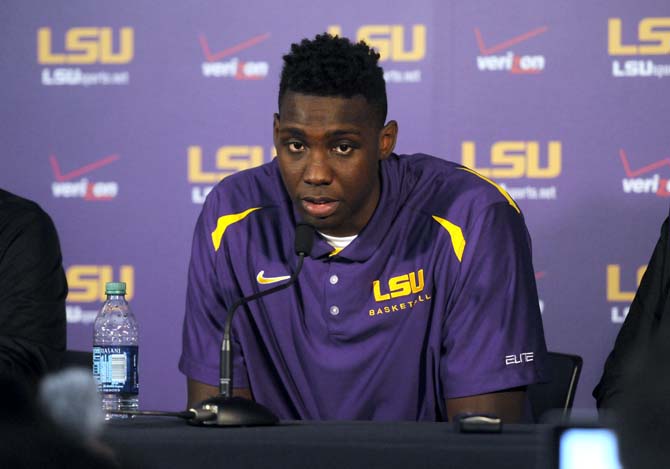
(165,442)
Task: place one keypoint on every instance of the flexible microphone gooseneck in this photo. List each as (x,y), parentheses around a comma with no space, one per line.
(226,410)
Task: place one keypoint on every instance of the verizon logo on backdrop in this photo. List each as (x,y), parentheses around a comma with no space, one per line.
(78,183)
(228,59)
(500,54)
(645,179)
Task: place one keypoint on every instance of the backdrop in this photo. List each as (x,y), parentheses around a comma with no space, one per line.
(118,117)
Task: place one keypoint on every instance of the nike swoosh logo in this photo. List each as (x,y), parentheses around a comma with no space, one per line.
(263,280)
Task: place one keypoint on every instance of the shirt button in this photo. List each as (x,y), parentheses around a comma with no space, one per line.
(334,279)
(334,310)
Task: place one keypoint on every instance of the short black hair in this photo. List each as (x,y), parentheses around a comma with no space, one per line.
(334,66)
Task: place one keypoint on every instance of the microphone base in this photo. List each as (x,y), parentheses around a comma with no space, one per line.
(234,412)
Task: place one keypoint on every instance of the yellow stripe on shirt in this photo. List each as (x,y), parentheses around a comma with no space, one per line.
(456,234)
(335,252)
(500,189)
(224,222)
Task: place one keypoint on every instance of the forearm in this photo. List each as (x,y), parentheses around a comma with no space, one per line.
(508,405)
(198,392)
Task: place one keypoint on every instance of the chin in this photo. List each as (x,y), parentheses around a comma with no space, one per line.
(320,224)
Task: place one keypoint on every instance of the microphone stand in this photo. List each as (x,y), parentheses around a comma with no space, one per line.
(226,410)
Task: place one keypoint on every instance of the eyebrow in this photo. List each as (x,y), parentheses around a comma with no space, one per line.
(335,133)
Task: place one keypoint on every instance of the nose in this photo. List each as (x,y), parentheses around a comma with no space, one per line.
(317,170)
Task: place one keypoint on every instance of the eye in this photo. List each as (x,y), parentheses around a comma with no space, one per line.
(343,149)
(295,147)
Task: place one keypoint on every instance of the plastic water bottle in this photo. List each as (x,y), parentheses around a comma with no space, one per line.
(115,352)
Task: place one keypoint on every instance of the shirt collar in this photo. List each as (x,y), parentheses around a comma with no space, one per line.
(372,234)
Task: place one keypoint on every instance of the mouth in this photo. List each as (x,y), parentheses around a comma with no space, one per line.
(319,207)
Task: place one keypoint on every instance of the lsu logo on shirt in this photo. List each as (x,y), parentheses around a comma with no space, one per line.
(653,39)
(85,46)
(86,284)
(617,294)
(400,286)
(516,159)
(227,160)
(397,43)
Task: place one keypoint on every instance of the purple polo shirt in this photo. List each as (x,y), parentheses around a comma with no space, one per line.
(434,299)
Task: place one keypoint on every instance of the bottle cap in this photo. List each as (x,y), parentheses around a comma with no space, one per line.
(115,288)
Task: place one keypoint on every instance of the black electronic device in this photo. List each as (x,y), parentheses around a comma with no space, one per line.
(477,423)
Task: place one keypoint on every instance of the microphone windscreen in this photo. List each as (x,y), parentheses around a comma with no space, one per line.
(304,239)
(70,398)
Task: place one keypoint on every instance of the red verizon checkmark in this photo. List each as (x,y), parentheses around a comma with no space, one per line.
(643,169)
(60,177)
(508,43)
(213,57)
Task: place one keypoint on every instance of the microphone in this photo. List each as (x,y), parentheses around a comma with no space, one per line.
(237,411)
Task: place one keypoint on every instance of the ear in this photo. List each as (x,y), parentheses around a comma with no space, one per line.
(387,139)
(275,131)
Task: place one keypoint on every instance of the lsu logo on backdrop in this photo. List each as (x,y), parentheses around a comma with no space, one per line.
(86,284)
(402,45)
(225,62)
(653,39)
(621,289)
(85,46)
(500,56)
(75,183)
(399,286)
(518,159)
(204,171)
(645,179)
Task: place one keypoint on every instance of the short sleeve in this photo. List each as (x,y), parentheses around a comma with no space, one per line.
(206,308)
(492,334)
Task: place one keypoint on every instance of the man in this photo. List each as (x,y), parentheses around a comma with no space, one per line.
(32,291)
(647,323)
(418,301)
(635,384)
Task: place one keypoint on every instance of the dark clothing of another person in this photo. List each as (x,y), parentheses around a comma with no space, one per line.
(635,386)
(32,291)
(648,322)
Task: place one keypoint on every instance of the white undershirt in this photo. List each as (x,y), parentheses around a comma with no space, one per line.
(338,242)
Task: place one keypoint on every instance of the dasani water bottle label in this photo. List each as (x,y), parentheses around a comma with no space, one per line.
(115,368)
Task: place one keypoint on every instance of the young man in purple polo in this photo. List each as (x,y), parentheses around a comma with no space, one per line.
(418,300)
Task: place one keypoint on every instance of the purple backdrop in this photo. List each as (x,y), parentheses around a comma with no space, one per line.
(118,117)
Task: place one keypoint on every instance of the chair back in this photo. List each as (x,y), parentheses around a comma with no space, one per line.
(559,393)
